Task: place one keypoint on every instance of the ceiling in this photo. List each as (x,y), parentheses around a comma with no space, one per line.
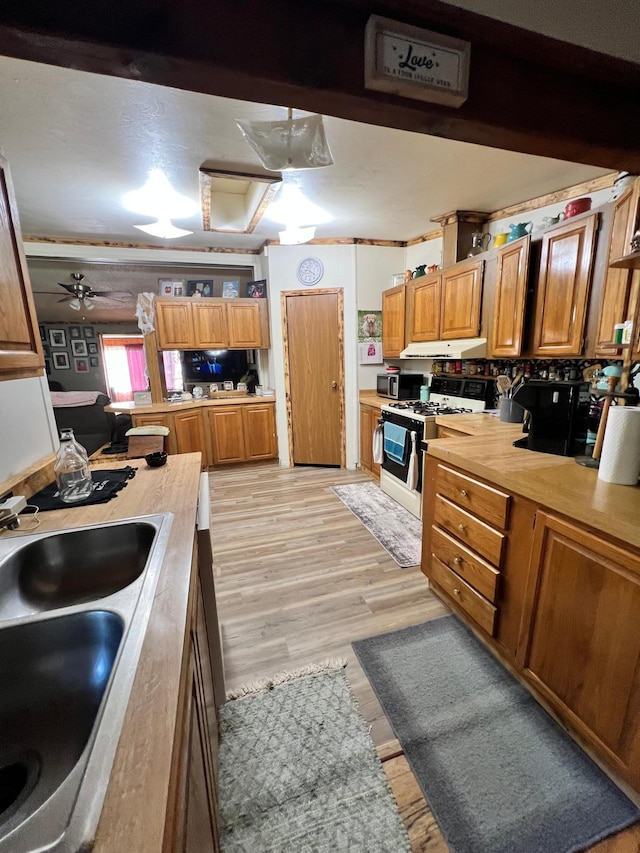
(76,142)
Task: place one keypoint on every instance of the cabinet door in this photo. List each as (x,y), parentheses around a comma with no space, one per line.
(244,326)
(226,432)
(210,325)
(615,292)
(511,297)
(581,644)
(423,320)
(460,301)
(20,347)
(393,321)
(159,420)
(562,291)
(174,325)
(368,424)
(259,425)
(190,433)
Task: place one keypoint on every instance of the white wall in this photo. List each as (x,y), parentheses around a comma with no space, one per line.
(429,252)
(28,432)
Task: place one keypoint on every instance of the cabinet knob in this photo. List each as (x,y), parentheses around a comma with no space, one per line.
(461,528)
(464,493)
(334,384)
(457,560)
(456,591)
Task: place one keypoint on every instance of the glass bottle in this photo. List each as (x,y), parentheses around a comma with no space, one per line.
(71,469)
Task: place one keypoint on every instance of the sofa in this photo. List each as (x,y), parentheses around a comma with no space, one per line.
(91,425)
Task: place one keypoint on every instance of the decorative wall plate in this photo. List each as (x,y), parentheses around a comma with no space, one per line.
(310,271)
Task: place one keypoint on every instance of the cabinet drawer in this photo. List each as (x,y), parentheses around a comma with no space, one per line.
(478,608)
(484,501)
(462,561)
(473,532)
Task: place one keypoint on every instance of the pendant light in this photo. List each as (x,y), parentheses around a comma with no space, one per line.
(288,144)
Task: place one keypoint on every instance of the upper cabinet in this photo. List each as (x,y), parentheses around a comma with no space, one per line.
(20,348)
(393,307)
(212,324)
(423,309)
(562,291)
(507,331)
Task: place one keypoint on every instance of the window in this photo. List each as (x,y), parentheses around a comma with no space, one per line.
(124,365)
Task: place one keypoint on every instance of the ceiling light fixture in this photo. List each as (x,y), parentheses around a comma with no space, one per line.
(296,236)
(293,209)
(158,198)
(289,143)
(164,229)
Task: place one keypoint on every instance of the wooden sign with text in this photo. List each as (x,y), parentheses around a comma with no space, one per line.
(415,63)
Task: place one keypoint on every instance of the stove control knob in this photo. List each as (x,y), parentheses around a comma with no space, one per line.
(464,493)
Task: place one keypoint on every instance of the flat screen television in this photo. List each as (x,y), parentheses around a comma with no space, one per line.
(226,365)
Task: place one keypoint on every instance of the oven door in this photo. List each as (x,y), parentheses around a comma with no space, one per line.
(397,469)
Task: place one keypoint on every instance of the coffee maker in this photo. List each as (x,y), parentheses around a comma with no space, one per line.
(557,419)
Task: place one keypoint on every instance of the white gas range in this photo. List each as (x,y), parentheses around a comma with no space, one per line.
(407,423)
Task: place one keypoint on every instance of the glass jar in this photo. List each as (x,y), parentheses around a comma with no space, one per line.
(71,469)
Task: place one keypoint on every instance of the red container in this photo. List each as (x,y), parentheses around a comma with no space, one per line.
(578,205)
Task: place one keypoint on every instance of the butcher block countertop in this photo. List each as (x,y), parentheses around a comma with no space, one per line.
(555,482)
(183,405)
(371,398)
(134,811)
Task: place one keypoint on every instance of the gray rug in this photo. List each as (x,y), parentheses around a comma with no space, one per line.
(299,772)
(399,532)
(498,772)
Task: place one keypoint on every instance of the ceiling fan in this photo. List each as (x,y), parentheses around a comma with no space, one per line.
(82,296)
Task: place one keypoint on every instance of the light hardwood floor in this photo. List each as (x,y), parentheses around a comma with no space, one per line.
(298,578)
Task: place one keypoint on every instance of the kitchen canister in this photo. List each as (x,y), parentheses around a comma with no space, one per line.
(620,458)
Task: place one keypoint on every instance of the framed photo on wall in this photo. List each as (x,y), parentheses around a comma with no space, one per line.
(93,348)
(88,332)
(57,337)
(94,361)
(230,289)
(61,361)
(75,332)
(79,348)
(202,287)
(81,365)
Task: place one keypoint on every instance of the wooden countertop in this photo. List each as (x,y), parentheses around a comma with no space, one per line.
(555,482)
(371,398)
(167,408)
(133,814)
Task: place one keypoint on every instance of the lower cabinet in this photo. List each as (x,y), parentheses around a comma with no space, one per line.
(242,433)
(159,420)
(369,416)
(189,432)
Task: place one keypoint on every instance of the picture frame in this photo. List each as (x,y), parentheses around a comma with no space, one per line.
(230,289)
(169,286)
(94,361)
(79,348)
(257,289)
(57,338)
(81,365)
(203,286)
(43,334)
(61,361)
(75,332)
(93,348)
(88,332)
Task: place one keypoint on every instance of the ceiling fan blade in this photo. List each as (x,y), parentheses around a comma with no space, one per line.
(112,293)
(66,298)
(70,287)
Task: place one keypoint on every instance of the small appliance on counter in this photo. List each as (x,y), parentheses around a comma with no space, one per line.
(557,420)
(399,386)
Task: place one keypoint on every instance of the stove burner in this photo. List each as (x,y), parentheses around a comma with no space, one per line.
(429,408)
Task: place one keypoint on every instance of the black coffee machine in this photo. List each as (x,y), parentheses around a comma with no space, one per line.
(557,420)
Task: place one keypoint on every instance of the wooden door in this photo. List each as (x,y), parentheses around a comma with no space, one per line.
(210,325)
(226,435)
(313,339)
(20,347)
(243,320)
(580,644)
(615,291)
(174,325)
(562,291)
(460,301)
(510,300)
(259,424)
(393,321)
(190,433)
(423,309)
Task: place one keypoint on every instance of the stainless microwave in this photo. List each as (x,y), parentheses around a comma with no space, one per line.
(400,386)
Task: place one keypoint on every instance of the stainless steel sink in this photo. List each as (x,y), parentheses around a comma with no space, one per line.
(74,607)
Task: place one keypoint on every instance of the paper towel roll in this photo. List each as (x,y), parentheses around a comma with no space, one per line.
(620,459)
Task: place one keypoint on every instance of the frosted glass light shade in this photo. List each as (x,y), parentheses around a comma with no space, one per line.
(295,236)
(293,209)
(298,143)
(164,229)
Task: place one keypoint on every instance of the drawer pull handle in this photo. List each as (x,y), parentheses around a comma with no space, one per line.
(456,591)
(464,493)
(461,528)
(457,560)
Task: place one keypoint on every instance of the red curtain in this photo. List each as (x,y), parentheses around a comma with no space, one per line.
(125,366)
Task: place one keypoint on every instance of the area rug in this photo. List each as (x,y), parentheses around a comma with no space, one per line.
(497,771)
(399,532)
(299,772)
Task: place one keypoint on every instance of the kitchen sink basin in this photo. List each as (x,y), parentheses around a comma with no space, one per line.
(54,674)
(76,566)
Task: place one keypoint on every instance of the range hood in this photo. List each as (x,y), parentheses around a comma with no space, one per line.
(462,348)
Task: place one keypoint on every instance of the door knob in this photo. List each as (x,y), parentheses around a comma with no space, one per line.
(334,384)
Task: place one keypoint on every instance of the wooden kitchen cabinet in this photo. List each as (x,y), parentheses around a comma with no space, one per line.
(212,323)
(159,420)
(562,291)
(242,433)
(369,416)
(259,427)
(189,433)
(580,645)
(461,300)
(21,352)
(423,315)
(393,321)
(507,331)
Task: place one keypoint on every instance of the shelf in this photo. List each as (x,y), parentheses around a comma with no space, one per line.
(627,262)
